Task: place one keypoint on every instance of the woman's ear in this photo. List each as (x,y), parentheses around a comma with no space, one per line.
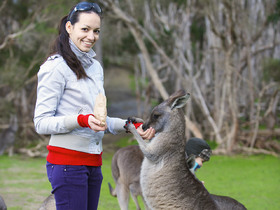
(68,27)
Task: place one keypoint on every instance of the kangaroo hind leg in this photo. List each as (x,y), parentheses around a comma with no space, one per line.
(123,196)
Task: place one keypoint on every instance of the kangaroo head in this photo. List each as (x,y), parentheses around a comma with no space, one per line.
(167,116)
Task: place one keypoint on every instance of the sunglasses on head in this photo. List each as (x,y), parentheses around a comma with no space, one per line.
(85,6)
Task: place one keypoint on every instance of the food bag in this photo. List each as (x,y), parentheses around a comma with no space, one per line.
(100,109)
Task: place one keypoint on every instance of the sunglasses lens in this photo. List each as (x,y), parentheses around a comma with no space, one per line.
(85,6)
(97,8)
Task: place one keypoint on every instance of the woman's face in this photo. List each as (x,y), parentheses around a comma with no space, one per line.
(85,32)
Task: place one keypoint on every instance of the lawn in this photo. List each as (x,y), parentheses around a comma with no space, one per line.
(252,180)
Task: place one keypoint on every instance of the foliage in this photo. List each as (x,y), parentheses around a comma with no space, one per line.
(27,29)
(201,46)
(215,50)
(128,44)
(275,16)
(271,70)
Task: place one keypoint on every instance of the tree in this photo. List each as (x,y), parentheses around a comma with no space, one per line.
(215,49)
(225,53)
(27,28)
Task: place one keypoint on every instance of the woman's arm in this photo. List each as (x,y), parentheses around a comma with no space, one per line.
(50,88)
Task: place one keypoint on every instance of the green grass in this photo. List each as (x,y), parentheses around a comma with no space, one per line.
(23,182)
(252,180)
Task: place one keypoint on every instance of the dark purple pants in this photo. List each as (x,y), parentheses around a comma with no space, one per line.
(75,187)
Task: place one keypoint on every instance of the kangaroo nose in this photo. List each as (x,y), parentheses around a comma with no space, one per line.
(145,127)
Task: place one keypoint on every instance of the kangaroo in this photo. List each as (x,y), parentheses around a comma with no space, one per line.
(165,178)
(127,161)
(48,203)
(126,164)
(8,136)
(2,204)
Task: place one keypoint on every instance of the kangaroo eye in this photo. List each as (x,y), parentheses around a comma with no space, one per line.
(156,116)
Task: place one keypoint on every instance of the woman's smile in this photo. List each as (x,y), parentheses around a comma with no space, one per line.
(88,44)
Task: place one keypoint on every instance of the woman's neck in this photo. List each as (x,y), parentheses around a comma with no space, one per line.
(86,58)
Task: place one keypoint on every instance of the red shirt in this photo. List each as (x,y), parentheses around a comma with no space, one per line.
(62,156)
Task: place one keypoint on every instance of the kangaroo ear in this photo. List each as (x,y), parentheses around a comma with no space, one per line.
(180,102)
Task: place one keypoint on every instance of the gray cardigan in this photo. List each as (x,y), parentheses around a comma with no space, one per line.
(61,97)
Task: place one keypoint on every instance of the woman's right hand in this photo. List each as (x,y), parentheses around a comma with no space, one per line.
(95,124)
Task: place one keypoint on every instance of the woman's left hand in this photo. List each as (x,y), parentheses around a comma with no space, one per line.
(95,124)
(148,134)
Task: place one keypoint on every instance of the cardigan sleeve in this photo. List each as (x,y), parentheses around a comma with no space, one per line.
(115,125)
(50,88)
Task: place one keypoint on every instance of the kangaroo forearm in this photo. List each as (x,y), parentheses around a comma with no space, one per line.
(142,144)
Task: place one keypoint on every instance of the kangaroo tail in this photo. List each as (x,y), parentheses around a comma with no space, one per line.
(112,191)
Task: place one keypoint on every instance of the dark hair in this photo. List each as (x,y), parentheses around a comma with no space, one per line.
(62,47)
(198,147)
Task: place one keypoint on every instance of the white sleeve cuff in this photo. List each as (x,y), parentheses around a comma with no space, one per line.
(71,122)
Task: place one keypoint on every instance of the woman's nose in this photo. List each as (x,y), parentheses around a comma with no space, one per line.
(93,36)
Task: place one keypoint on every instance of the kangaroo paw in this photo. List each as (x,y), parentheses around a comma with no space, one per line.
(129,126)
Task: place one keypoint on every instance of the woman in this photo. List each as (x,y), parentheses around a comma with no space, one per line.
(68,83)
